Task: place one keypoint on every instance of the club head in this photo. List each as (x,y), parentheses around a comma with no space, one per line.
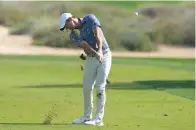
(108,82)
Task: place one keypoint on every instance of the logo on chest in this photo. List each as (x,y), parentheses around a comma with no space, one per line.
(88,31)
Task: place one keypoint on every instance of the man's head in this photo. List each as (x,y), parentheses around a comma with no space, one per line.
(68,22)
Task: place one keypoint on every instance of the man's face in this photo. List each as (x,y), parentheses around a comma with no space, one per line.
(70,24)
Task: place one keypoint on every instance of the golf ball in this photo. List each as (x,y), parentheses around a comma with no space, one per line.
(136,13)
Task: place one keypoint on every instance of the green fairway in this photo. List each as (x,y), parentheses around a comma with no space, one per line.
(145,94)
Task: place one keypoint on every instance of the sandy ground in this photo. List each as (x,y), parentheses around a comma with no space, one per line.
(12,44)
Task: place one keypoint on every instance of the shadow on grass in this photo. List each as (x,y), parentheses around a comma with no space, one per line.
(182,88)
(141,85)
(32,124)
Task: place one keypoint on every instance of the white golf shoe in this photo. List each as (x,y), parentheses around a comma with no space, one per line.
(81,120)
(95,121)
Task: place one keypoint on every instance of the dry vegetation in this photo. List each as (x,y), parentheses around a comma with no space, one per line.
(166,24)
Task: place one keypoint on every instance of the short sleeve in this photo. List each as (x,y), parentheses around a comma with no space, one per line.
(75,38)
(95,21)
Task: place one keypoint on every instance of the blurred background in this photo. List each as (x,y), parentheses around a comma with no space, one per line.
(28,26)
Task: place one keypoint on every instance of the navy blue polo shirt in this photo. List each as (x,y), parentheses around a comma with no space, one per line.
(90,22)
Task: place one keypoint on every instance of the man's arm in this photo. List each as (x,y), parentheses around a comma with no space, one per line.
(81,43)
(98,36)
(84,45)
(96,28)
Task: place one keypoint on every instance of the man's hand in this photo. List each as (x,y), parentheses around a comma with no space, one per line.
(88,53)
(89,50)
(99,56)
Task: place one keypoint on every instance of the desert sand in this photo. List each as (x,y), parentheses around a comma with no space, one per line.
(21,45)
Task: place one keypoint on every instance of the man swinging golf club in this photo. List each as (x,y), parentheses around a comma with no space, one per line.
(97,66)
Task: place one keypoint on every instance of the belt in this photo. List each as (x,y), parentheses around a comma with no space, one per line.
(104,52)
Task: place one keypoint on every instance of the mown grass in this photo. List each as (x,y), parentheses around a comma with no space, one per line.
(145,94)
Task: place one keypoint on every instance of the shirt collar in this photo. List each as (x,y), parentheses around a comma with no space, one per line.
(82,20)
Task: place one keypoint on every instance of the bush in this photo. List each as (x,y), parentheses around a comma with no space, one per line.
(52,37)
(136,41)
(11,16)
(22,28)
(112,38)
(172,25)
(48,34)
(175,32)
(155,24)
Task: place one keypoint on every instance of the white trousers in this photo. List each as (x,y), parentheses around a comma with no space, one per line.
(96,73)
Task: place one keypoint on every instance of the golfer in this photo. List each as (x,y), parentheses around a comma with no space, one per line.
(98,63)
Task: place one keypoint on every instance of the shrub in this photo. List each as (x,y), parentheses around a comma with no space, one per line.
(11,16)
(52,37)
(175,32)
(158,23)
(172,25)
(112,38)
(136,41)
(22,28)
(48,34)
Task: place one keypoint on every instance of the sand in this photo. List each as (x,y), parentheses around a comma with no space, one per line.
(22,45)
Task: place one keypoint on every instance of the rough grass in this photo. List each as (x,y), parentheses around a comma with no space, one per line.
(145,94)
